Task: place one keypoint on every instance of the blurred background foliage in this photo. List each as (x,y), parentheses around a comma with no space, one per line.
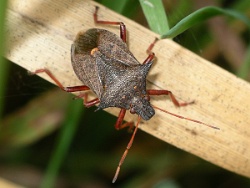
(49,140)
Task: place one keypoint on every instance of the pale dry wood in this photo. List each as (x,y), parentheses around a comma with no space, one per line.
(7,184)
(41,33)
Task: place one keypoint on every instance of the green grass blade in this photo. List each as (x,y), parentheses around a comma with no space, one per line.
(4,72)
(4,65)
(75,111)
(155,14)
(200,16)
(181,8)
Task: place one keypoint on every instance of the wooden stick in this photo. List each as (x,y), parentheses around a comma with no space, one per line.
(41,34)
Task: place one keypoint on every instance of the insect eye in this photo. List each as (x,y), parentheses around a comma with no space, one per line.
(146,97)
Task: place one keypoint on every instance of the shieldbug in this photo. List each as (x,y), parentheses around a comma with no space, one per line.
(103,62)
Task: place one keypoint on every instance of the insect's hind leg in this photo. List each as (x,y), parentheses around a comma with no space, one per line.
(67,89)
(86,102)
(122,25)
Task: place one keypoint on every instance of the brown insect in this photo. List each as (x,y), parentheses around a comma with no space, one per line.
(103,62)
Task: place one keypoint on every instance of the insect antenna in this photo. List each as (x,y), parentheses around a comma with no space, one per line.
(181,117)
(126,151)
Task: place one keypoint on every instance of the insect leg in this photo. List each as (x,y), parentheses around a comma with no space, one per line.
(166,92)
(122,25)
(149,50)
(76,88)
(89,103)
(119,125)
(126,151)
(149,58)
(67,89)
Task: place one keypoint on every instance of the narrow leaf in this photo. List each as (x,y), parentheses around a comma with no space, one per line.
(200,16)
(155,14)
(66,136)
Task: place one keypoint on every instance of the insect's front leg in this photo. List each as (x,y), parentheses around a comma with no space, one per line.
(151,46)
(123,31)
(161,92)
(119,125)
(151,55)
(166,92)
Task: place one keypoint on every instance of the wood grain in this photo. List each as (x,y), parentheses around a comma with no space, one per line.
(41,33)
